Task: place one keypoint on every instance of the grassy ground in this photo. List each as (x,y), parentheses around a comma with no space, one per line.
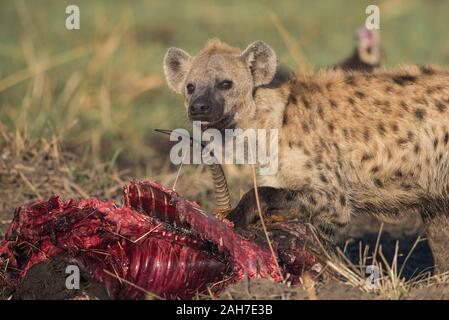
(78,109)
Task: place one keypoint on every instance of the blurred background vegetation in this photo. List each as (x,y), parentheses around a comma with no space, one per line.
(100,90)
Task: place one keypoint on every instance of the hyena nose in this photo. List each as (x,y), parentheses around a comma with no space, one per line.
(197,109)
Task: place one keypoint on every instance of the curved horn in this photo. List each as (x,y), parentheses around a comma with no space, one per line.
(222,196)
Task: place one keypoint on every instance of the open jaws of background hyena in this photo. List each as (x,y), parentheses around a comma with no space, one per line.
(349,143)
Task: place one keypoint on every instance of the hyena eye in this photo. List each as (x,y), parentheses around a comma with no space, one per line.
(190,88)
(225,85)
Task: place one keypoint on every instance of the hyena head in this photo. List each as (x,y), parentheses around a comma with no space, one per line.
(218,82)
(368,46)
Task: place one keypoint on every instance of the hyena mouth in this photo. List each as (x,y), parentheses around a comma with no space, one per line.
(225,122)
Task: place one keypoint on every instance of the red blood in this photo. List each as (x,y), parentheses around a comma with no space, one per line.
(157,241)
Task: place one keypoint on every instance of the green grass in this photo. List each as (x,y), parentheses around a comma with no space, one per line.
(110,97)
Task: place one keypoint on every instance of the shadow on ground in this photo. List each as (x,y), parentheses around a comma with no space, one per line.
(363,234)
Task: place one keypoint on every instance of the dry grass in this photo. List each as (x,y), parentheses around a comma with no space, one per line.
(36,169)
(392,282)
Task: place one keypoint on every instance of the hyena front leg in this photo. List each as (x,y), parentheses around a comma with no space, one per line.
(437,229)
(326,210)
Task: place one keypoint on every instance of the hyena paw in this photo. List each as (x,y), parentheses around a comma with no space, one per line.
(246,212)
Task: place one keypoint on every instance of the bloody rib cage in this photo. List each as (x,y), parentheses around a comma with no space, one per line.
(156,242)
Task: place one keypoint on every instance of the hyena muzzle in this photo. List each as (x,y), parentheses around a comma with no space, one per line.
(350,143)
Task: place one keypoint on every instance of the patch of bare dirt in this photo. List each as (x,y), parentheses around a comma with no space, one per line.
(267,289)
(47,281)
(439,291)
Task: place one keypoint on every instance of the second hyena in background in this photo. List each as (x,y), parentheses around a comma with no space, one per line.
(367,55)
(349,143)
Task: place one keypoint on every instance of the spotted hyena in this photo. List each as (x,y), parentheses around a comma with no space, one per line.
(367,56)
(350,143)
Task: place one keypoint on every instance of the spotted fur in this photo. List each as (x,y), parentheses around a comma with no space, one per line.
(349,143)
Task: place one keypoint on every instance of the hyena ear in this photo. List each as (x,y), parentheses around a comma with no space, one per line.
(262,62)
(176,66)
